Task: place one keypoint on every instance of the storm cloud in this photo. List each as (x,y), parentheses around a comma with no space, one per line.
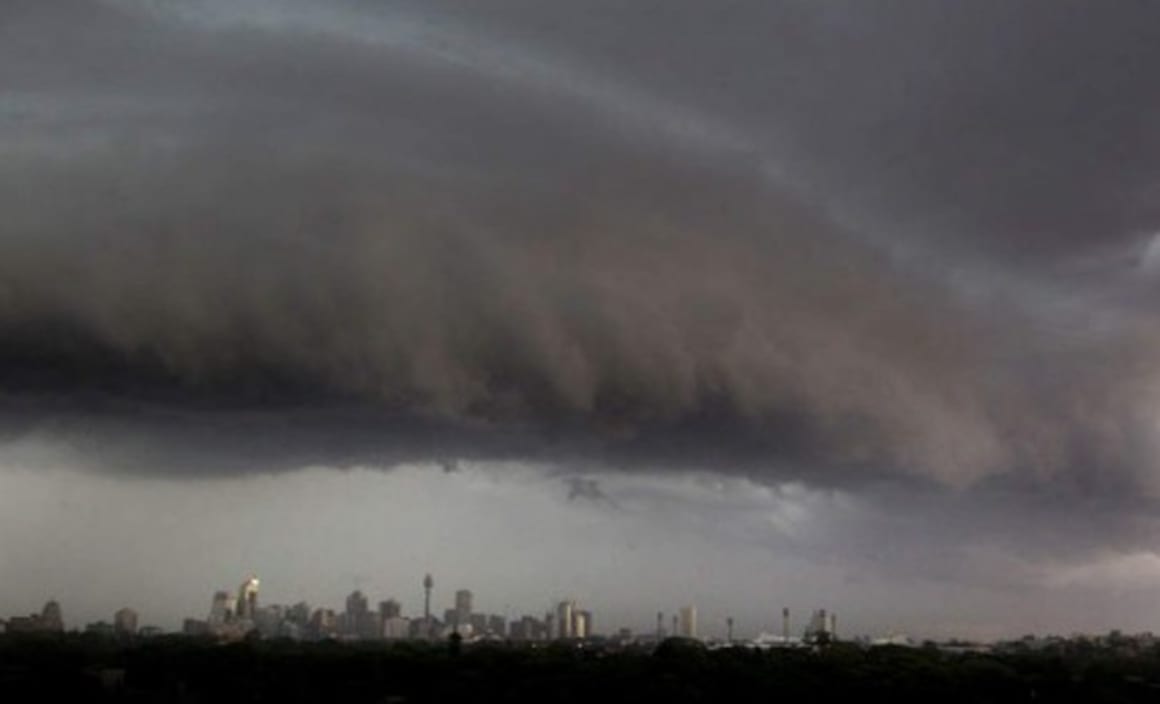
(816,241)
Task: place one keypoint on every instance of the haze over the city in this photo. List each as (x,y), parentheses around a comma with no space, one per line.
(741,304)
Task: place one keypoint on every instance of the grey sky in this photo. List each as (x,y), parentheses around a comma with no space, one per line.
(899,256)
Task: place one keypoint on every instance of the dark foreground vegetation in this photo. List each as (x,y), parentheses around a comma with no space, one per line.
(75,668)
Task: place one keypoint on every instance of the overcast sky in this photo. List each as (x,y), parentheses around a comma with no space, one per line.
(739,303)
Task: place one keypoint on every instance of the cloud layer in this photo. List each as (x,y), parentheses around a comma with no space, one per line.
(799,241)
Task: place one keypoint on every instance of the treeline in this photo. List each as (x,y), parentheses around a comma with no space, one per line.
(177,669)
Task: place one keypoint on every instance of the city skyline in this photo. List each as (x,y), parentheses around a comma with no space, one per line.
(729,592)
(237,617)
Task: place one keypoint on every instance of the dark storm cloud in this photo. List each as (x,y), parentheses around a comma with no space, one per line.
(791,239)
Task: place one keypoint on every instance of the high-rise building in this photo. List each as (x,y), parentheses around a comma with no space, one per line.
(323,624)
(819,626)
(223,609)
(564,621)
(478,624)
(390,609)
(370,626)
(248,599)
(299,614)
(51,618)
(125,622)
(462,608)
(358,620)
(529,628)
(580,624)
(355,614)
(521,629)
(687,627)
(396,627)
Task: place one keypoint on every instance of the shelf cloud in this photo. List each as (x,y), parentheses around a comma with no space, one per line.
(804,242)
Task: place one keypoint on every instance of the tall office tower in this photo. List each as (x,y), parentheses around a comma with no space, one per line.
(833,625)
(785,624)
(729,630)
(674,631)
(688,622)
(248,599)
(51,618)
(299,614)
(660,625)
(125,622)
(390,609)
(586,617)
(323,624)
(223,609)
(819,625)
(549,625)
(355,618)
(462,608)
(564,619)
(427,584)
(580,624)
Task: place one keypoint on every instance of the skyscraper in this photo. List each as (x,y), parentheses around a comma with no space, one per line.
(354,619)
(427,584)
(395,627)
(125,622)
(322,623)
(51,618)
(580,624)
(390,609)
(589,626)
(564,619)
(819,626)
(299,614)
(688,622)
(223,609)
(462,608)
(248,599)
